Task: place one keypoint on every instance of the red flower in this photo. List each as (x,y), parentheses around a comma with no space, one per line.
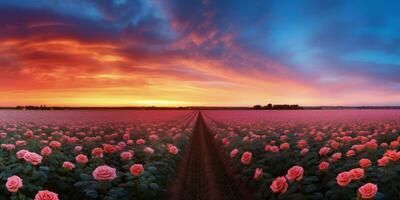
(233,153)
(295,173)
(323,166)
(136,169)
(368,191)
(46,151)
(81,159)
(343,179)
(258,173)
(324,150)
(46,195)
(97,152)
(246,158)
(126,155)
(364,163)
(357,173)
(279,185)
(383,161)
(68,165)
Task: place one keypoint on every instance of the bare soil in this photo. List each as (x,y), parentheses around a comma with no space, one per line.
(203,174)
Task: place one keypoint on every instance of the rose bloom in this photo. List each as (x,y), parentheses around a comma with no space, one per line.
(284,146)
(383,161)
(246,158)
(364,163)
(68,165)
(274,149)
(20,143)
(233,153)
(130,142)
(368,191)
(136,169)
(392,155)
(14,183)
(8,147)
(55,144)
(336,156)
(78,148)
(104,173)
(81,159)
(46,151)
(20,154)
(279,185)
(357,173)
(295,173)
(140,141)
(148,151)
(324,150)
(33,158)
(46,195)
(304,151)
(343,179)
(108,148)
(350,153)
(126,155)
(258,173)
(173,150)
(323,166)
(97,152)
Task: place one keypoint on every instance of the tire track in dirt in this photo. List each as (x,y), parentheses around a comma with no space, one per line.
(202,174)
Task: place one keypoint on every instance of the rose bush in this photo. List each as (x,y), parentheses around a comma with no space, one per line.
(341,155)
(95,159)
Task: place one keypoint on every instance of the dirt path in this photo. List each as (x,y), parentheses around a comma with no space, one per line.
(202,174)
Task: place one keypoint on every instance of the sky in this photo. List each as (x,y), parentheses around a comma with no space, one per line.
(199,52)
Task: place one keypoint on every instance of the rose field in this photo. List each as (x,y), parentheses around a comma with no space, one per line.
(210,154)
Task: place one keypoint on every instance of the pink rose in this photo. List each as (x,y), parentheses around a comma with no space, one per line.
(46,151)
(304,151)
(246,158)
(258,173)
(383,161)
(78,148)
(136,169)
(46,195)
(55,144)
(97,152)
(323,166)
(233,153)
(104,173)
(20,154)
(357,173)
(81,159)
(364,163)
(295,173)
(173,150)
(126,155)
(148,151)
(13,183)
(343,179)
(68,165)
(140,141)
(279,185)
(368,191)
(324,150)
(33,158)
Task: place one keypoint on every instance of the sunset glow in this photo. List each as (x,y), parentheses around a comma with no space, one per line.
(198,53)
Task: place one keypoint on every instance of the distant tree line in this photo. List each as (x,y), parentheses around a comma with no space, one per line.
(278,107)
